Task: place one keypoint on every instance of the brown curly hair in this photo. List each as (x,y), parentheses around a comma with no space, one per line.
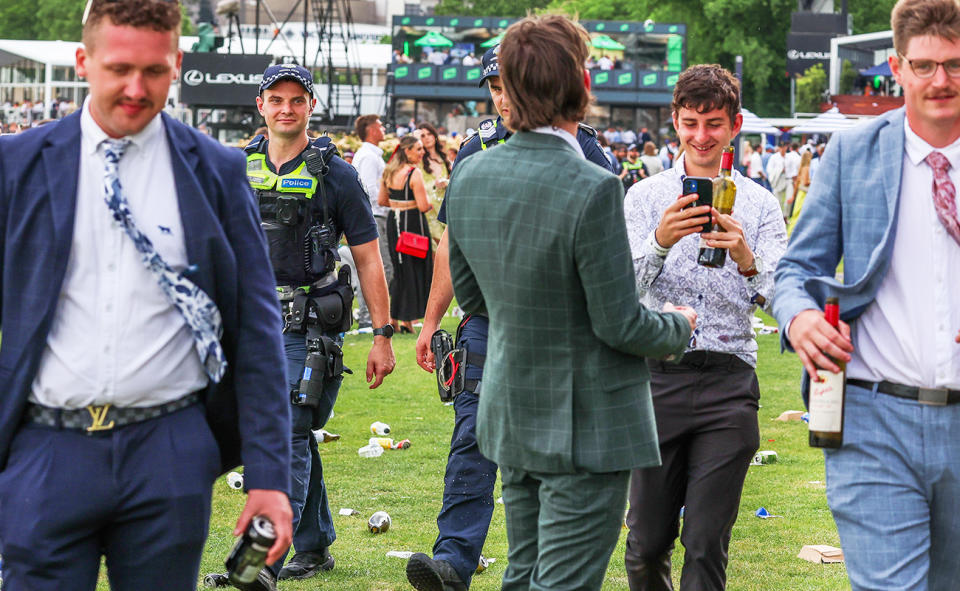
(706,87)
(157,15)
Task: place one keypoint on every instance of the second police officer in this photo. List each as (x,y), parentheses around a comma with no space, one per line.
(308,198)
(469,480)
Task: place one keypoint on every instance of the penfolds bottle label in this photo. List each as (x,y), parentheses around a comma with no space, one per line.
(826,402)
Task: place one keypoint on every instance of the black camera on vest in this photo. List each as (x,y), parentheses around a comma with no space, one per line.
(288,210)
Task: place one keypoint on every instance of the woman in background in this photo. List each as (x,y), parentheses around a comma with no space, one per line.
(436,175)
(801,185)
(402,190)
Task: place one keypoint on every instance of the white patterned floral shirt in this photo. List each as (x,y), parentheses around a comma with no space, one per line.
(723,299)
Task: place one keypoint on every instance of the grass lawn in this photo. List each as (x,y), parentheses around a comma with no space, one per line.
(408,485)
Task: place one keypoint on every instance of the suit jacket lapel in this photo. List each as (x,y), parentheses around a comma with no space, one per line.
(61,161)
(184,161)
(891,157)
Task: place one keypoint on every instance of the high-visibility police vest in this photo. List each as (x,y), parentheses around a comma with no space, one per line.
(297,238)
(633,172)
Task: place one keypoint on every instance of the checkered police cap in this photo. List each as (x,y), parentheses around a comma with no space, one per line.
(491,63)
(279,72)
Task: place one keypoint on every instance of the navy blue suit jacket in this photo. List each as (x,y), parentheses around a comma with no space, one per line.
(249,411)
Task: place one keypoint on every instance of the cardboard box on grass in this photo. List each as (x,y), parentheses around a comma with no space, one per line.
(790,415)
(821,554)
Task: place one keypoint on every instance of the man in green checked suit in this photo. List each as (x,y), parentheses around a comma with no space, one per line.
(541,248)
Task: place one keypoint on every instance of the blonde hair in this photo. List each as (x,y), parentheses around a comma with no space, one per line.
(399,158)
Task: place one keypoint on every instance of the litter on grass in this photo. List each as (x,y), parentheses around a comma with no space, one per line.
(790,415)
(762,513)
(821,554)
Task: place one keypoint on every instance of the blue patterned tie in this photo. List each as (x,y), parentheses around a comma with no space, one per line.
(199,311)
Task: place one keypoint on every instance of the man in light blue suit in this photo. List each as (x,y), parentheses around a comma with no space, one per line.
(884,200)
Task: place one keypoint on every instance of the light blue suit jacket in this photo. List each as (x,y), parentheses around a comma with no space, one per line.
(850,212)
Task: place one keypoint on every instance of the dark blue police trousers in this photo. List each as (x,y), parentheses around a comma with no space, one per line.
(137,494)
(312,522)
(469,480)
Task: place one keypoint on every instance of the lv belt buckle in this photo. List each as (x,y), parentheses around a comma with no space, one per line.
(933,396)
(98,415)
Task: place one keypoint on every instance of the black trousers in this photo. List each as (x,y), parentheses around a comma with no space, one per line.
(706,410)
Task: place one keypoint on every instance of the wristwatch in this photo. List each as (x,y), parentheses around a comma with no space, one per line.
(752,270)
(384,331)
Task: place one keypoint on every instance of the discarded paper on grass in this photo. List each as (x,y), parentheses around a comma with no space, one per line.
(821,554)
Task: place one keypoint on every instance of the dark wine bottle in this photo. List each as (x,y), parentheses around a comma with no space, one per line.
(828,391)
(724,196)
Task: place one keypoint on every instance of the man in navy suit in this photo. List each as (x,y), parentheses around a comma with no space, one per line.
(140,356)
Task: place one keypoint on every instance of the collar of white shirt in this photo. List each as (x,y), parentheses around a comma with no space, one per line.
(564,135)
(374,147)
(918,149)
(93,135)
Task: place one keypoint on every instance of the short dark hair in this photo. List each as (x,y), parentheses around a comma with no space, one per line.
(706,87)
(912,18)
(542,69)
(157,15)
(362,123)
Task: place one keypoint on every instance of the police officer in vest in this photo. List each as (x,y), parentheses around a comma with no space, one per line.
(634,170)
(469,480)
(308,198)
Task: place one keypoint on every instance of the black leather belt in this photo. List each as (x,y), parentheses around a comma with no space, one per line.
(96,418)
(932,396)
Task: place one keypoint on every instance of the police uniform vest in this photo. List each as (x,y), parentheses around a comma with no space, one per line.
(302,241)
(488,134)
(633,172)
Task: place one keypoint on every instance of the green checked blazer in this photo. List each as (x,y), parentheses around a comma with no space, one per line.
(538,243)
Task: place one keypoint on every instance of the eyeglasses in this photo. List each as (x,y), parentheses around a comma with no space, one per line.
(86,10)
(928,68)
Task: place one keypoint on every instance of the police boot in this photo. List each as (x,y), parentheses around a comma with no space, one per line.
(304,565)
(427,574)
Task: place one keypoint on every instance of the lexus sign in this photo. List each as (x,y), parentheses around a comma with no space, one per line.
(221,80)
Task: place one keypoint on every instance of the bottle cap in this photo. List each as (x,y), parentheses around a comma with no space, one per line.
(831,311)
(726,159)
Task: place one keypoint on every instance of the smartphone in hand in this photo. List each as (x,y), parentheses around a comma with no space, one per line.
(703,187)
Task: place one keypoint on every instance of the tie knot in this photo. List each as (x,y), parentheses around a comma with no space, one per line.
(114,149)
(938,162)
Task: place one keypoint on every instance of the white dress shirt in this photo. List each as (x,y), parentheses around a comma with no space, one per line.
(564,135)
(791,164)
(369,164)
(115,338)
(906,334)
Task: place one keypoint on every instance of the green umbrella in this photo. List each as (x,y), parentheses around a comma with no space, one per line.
(433,39)
(492,41)
(605,42)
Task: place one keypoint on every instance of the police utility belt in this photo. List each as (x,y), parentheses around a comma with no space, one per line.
(451,365)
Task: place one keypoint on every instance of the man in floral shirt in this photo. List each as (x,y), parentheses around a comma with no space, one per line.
(706,405)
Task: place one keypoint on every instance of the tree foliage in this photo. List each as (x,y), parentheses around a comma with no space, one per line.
(46,20)
(810,88)
(50,20)
(718,31)
(490,7)
(870,16)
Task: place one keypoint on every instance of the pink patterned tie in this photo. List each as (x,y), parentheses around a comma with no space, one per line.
(944,194)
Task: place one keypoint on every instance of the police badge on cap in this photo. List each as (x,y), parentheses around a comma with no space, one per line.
(279,72)
(490,62)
